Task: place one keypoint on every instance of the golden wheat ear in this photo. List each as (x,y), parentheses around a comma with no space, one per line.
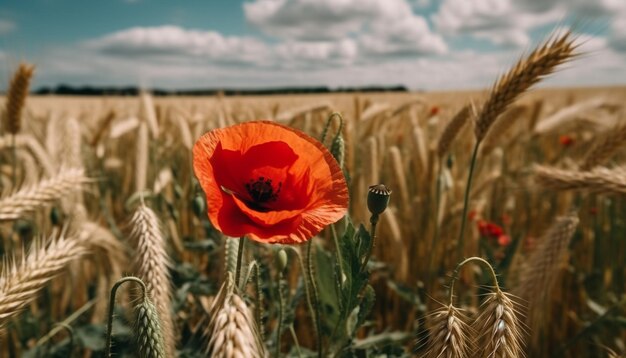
(449,335)
(232,331)
(16,97)
(526,72)
(152,266)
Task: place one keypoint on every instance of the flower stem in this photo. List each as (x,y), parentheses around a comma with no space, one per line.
(374,221)
(468,188)
(281,313)
(242,243)
(460,265)
(107,353)
(316,304)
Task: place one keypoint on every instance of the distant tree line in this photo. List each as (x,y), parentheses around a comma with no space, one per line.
(133,91)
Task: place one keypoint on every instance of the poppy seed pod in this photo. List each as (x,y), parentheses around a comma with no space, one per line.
(378,198)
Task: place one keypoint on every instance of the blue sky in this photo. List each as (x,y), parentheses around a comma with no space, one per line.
(423,44)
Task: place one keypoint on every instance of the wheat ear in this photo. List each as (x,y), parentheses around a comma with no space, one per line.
(232,331)
(16,97)
(48,190)
(452,129)
(20,283)
(498,327)
(605,148)
(449,336)
(152,267)
(148,331)
(542,267)
(598,180)
(528,71)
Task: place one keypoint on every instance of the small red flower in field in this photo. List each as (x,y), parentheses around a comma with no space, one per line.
(270,182)
(506,219)
(504,240)
(566,141)
(434,110)
(472,215)
(489,229)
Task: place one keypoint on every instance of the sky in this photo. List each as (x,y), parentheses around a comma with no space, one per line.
(187,44)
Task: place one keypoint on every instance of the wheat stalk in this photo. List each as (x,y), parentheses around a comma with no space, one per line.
(604,148)
(48,190)
(152,267)
(598,180)
(141,162)
(498,328)
(452,129)
(20,284)
(527,72)
(16,97)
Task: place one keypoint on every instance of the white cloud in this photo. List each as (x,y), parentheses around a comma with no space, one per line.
(172,42)
(381,27)
(503,22)
(6,26)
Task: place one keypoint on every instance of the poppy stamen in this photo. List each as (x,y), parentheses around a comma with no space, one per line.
(261,190)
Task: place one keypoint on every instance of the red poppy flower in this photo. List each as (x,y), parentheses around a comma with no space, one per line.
(270,182)
(434,110)
(489,229)
(504,240)
(566,140)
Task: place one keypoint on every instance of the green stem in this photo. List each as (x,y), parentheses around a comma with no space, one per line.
(337,249)
(281,310)
(242,243)
(107,353)
(71,318)
(316,304)
(374,222)
(295,340)
(458,269)
(468,188)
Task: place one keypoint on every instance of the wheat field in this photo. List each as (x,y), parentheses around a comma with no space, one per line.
(96,189)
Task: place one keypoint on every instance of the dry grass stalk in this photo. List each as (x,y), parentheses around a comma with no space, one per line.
(452,129)
(541,270)
(528,71)
(557,120)
(149,113)
(232,331)
(598,180)
(20,284)
(141,162)
(400,176)
(152,267)
(148,332)
(16,97)
(605,148)
(29,199)
(449,337)
(498,327)
(32,144)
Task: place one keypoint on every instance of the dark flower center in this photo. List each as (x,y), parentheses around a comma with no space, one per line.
(262,191)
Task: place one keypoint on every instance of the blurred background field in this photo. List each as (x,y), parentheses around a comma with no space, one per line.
(141,146)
